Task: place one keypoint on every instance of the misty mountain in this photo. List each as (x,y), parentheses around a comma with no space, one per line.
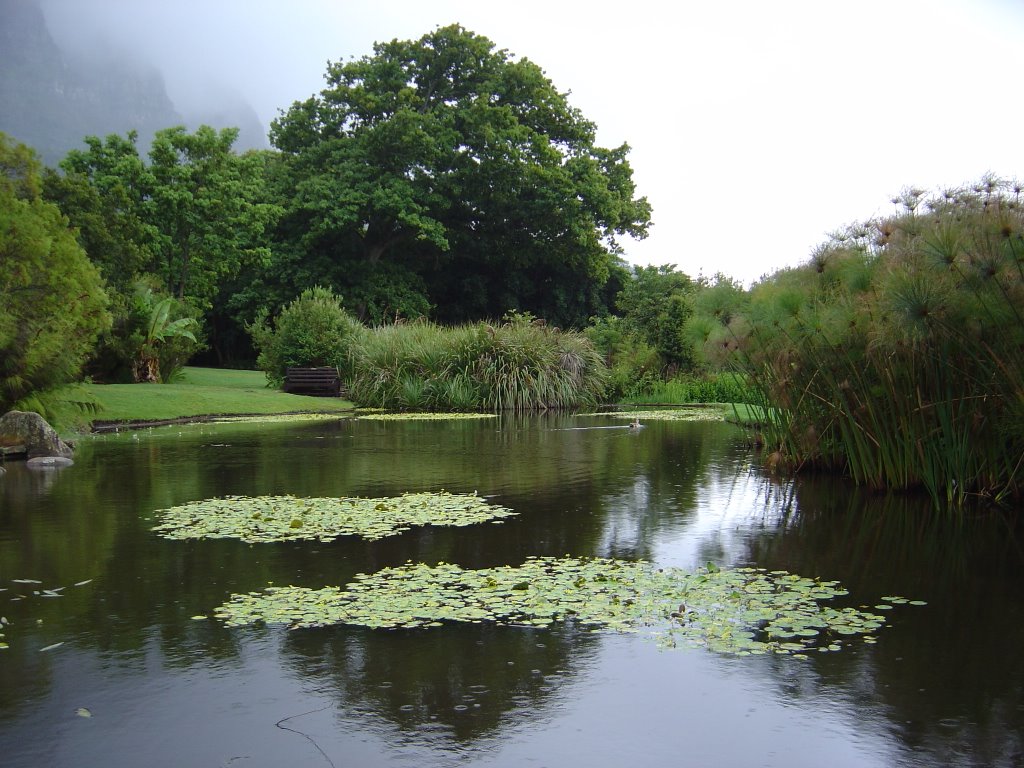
(51,98)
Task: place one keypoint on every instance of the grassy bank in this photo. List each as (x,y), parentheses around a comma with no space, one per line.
(202,392)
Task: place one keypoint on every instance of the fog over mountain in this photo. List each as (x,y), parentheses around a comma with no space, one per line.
(65,76)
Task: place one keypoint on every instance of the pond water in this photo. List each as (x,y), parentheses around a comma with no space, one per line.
(137,681)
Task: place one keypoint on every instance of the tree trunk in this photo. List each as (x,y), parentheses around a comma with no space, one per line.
(147,369)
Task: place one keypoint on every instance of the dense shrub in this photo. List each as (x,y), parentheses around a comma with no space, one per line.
(655,305)
(152,337)
(313,330)
(634,366)
(706,388)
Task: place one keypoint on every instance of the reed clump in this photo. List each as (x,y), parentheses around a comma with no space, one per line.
(519,365)
(896,354)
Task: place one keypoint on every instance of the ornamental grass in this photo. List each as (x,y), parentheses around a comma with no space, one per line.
(519,365)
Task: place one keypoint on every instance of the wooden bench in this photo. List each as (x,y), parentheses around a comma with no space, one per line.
(317,382)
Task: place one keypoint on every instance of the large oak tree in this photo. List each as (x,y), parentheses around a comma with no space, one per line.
(448,172)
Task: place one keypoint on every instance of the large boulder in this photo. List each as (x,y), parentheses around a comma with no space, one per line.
(21,428)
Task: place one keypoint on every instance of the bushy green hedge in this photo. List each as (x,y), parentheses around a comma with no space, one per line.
(704,388)
(313,330)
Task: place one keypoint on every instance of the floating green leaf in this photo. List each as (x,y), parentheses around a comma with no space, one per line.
(667,414)
(740,611)
(272,418)
(256,519)
(364,416)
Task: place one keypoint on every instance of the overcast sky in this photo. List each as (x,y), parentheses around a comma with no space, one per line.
(757,127)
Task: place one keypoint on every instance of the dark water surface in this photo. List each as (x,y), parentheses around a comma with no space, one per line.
(944,685)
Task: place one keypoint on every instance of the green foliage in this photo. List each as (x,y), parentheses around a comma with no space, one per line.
(634,367)
(705,388)
(313,330)
(66,408)
(204,204)
(897,352)
(52,302)
(167,338)
(655,305)
(651,341)
(152,336)
(463,169)
(195,219)
(717,320)
(105,191)
(519,365)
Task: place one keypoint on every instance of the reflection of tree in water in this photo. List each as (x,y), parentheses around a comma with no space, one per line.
(453,684)
(948,677)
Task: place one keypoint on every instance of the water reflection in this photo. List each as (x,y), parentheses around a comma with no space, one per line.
(942,686)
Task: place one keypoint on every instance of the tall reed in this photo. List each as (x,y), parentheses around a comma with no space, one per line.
(897,353)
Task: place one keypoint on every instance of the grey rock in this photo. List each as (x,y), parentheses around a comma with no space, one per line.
(32,431)
(48,462)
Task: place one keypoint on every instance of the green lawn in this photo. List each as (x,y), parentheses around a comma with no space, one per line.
(204,392)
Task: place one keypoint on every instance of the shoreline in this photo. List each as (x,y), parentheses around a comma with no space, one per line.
(101,426)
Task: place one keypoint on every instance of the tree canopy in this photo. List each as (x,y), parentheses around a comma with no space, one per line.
(462,175)
(191,216)
(656,305)
(193,223)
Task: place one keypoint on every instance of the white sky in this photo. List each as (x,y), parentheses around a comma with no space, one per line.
(757,127)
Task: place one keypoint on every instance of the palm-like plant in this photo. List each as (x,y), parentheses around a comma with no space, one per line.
(160,326)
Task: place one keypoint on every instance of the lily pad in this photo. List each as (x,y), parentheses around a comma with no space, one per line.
(255,519)
(667,414)
(364,416)
(734,611)
(273,418)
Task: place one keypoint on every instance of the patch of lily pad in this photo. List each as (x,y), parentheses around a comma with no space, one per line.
(424,416)
(742,611)
(275,418)
(257,519)
(667,414)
